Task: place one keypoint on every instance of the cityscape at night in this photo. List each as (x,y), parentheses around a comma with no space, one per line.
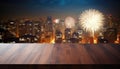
(47,21)
(59,31)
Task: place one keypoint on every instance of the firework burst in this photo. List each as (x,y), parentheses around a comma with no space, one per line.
(69,22)
(91,20)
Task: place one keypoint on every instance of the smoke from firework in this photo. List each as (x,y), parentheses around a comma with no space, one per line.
(69,22)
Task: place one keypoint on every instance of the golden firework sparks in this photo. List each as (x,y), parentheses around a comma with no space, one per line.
(91,20)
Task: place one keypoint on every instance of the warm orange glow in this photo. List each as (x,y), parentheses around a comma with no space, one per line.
(63,37)
(83,41)
(52,41)
(56,20)
(17,35)
(95,41)
(116,42)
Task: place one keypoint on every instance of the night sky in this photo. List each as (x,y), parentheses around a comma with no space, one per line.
(57,8)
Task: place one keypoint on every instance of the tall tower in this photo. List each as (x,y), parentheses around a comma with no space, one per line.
(67,33)
(17,29)
(110,21)
(111,33)
(49,24)
(29,27)
(49,29)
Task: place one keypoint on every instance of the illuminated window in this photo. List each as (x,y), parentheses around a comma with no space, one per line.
(0,36)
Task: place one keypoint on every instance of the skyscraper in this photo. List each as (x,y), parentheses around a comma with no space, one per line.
(49,24)
(49,31)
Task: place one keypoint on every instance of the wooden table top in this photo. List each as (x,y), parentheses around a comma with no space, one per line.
(59,53)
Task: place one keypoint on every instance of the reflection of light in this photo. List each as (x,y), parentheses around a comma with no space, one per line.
(52,41)
(63,37)
(91,20)
(95,41)
(117,41)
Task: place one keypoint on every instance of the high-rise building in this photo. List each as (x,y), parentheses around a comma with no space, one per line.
(111,35)
(37,28)
(49,31)
(49,24)
(111,32)
(67,34)
(29,31)
(58,36)
(29,27)
(12,27)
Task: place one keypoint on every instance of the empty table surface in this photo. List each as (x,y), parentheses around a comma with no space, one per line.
(60,53)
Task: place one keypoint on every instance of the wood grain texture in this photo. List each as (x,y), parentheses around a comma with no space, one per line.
(59,53)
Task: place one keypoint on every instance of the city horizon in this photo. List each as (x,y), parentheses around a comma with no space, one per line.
(74,21)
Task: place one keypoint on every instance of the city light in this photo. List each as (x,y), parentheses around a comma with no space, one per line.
(95,41)
(90,29)
(69,22)
(57,20)
(91,21)
(118,40)
(52,41)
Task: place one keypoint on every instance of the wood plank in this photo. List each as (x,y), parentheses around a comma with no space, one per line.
(101,55)
(59,54)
